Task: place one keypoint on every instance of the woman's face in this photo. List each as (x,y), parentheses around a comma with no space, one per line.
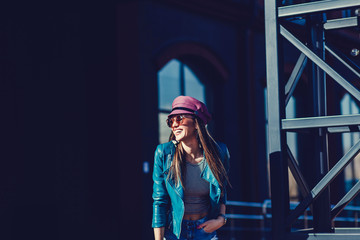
(185,128)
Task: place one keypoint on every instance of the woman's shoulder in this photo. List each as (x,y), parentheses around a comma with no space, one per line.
(165,148)
(223,149)
(222,146)
(224,155)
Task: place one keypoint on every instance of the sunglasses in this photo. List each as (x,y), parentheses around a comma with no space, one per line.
(178,119)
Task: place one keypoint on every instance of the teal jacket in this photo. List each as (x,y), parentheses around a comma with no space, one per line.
(168,206)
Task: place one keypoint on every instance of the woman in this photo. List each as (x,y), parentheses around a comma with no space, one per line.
(189,176)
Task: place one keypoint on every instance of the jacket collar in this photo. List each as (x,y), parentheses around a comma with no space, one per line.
(209,176)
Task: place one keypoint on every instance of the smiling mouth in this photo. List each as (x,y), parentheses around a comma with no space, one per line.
(177,132)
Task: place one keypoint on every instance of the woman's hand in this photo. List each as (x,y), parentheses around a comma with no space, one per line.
(212,224)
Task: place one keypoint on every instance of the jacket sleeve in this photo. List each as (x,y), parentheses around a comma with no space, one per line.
(160,194)
(225,157)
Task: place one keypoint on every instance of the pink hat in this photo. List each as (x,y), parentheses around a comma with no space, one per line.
(190,105)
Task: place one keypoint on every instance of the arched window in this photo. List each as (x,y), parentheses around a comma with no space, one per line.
(175,79)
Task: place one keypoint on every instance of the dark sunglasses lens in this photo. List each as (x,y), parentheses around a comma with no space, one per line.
(170,121)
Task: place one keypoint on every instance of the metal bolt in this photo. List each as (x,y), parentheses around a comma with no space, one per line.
(357,12)
(355,52)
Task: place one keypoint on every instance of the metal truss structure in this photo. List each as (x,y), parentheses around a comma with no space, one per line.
(278,95)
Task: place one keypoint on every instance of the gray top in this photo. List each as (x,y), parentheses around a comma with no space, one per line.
(197,190)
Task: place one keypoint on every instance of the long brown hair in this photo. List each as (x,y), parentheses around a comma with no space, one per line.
(211,152)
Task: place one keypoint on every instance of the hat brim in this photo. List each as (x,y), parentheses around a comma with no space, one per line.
(180,111)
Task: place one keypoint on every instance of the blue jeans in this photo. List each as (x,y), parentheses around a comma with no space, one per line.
(189,231)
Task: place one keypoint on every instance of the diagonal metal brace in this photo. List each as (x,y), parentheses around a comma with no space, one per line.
(342,61)
(294,168)
(319,62)
(324,182)
(295,76)
(345,200)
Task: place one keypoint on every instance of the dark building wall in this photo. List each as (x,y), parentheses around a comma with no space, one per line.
(60,132)
(79,100)
(78,91)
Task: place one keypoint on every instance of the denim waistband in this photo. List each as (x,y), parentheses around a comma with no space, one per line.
(194,223)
